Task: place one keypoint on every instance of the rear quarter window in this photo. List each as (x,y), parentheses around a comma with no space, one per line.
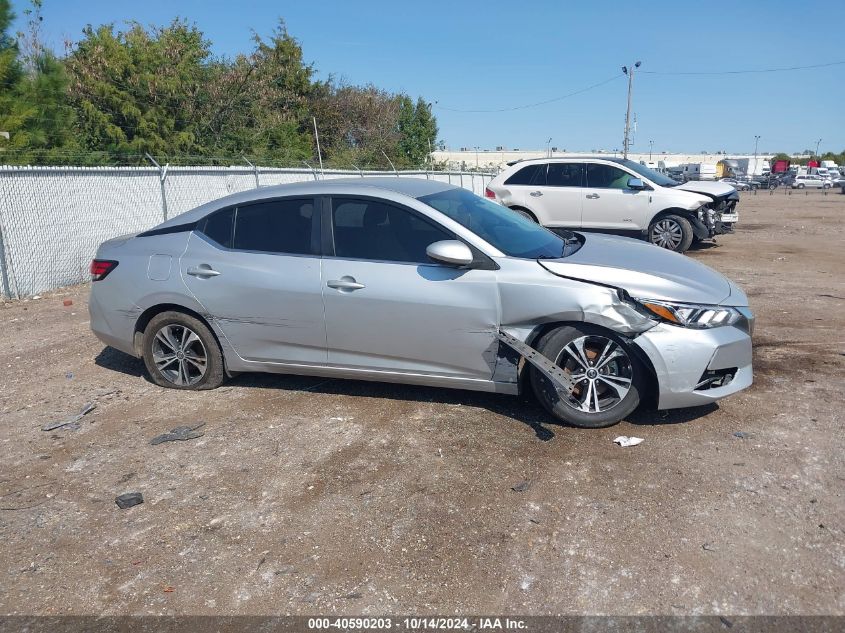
(528,175)
(218,227)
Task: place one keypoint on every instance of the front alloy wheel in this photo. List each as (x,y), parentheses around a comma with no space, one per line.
(671,232)
(602,372)
(607,378)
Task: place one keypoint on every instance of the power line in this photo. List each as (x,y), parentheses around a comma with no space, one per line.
(741,72)
(532,105)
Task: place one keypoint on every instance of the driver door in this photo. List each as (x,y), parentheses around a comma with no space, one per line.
(608,201)
(389,308)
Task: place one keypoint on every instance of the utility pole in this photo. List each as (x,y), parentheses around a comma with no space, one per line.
(549,148)
(630,72)
(756,141)
(819,142)
(476,158)
(650,148)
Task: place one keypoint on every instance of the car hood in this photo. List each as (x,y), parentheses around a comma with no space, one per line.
(645,271)
(708,188)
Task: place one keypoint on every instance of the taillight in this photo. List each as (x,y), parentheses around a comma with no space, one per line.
(489,194)
(101,267)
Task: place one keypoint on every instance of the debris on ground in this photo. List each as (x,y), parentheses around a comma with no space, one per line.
(129,499)
(522,486)
(624,441)
(180,433)
(67,302)
(742,435)
(72,421)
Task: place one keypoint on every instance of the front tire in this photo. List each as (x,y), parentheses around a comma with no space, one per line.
(671,232)
(609,377)
(180,352)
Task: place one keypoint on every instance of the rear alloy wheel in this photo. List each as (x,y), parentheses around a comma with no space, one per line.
(671,232)
(608,378)
(180,352)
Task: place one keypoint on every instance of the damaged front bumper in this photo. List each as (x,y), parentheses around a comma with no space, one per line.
(695,367)
(725,214)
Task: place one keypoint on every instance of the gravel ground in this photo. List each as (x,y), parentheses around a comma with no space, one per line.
(311,496)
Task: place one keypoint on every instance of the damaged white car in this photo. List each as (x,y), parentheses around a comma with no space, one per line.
(416,281)
(616,195)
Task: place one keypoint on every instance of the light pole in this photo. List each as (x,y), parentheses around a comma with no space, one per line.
(650,148)
(756,141)
(627,140)
(819,142)
(476,158)
(549,147)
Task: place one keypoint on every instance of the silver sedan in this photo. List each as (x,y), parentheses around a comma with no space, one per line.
(416,281)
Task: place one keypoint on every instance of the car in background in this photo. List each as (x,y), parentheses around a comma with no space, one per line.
(736,184)
(810,181)
(616,195)
(416,281)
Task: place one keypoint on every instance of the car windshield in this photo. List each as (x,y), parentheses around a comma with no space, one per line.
(510,232)
(656,177)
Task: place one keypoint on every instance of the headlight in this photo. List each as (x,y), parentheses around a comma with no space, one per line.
(697,316)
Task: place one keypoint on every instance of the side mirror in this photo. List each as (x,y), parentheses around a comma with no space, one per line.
(635,183)
(450,252)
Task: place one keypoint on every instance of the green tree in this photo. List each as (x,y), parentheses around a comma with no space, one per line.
(417,130)
(140,91)
(10,77)
(259,102)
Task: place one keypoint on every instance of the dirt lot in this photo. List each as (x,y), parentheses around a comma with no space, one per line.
(314,496)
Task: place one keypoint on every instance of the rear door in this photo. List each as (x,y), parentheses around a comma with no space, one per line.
(389,308)
(608,201)
(562,197)
(256,271)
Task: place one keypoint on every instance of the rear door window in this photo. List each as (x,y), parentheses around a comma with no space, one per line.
(275,226)
(565,175)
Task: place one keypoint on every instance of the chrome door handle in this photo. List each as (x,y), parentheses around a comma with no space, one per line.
(535,194)
(345,283)
(202,271)
(593,196)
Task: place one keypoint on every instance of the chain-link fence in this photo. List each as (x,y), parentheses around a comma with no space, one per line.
(53,218)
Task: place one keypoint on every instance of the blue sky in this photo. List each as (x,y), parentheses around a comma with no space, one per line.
(496,54)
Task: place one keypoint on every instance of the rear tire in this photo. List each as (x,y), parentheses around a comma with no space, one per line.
(525,213)
(671,232)
(602,401)
(180,352)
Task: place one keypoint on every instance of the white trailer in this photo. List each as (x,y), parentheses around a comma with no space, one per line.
(699,171)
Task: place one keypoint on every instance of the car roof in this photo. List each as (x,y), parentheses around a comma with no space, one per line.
(377,185)
(546,159)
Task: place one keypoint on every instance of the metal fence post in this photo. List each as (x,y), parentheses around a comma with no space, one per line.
(7,290)
(254,171)
(162,176)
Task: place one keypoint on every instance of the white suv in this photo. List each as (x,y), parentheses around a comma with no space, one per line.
(616,195)
(811,181)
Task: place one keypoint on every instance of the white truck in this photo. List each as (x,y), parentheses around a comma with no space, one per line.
(699,171)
